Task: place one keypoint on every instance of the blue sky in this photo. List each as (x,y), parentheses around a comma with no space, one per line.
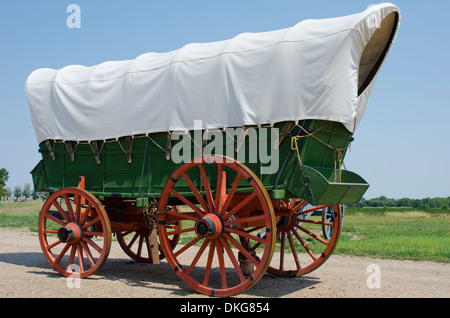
(401,147)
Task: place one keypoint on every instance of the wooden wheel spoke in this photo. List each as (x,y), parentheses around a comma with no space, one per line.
(176,232)
(240,205)
(187,246)
(61,211)
(71,258)
(181,216)
(196,193)
(283,240)
(197,256)
(133,240)
(293,249)
(230,194)
(54,219)
(69,208)
(254,247)
(207,189)
(125,233)
(93,244)
(320,207)
(246,235)
(93,233)
(241,249)
(305,246)
(313,235)
(77,201)
(317,222)
(297,205)
(49,231)
(88,253)
(86,213)
(233,259)
(223,275)
(63,252)
(80,257)
(245,220)
(140,245)
(148,245)
(212,247)
(90,223)
(187,202)
(219,188)
(253,229)
(49,247)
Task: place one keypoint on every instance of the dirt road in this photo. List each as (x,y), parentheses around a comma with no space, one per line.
(26,273)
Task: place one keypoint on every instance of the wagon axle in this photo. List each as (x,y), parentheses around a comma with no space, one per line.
(210,226)
(71,233)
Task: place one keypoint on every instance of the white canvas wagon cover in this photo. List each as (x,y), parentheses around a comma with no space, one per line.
(317,69)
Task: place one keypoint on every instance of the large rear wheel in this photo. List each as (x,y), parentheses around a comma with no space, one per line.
(211,257)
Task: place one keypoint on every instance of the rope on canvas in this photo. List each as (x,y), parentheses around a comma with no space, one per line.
(337,151)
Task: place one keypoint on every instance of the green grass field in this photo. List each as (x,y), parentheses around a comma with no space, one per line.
(420,236)
(20,214)
(382,233)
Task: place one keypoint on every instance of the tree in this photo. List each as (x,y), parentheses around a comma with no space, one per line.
(26,190)
(8,192)
(423,204)
(17,192)
(4,176)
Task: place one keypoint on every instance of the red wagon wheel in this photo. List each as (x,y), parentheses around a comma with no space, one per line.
(74,232)
(137,245)
(302,242)
(221,264)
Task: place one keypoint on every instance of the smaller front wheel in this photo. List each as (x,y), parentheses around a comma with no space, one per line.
(74,232)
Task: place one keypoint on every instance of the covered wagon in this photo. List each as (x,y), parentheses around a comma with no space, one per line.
(224,158)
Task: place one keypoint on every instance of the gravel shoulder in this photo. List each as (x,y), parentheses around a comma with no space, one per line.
(25,273)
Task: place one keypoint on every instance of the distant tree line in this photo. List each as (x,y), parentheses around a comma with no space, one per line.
(426,203)
(20,193)
(4,175)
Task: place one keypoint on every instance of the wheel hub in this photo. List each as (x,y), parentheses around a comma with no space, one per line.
(285,221)
(71,233)
(210,226)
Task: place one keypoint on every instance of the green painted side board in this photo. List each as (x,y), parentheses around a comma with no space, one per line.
(113,176)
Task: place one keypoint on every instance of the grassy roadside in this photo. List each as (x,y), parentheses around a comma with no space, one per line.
(20,214)
(412,235)
(384,233)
